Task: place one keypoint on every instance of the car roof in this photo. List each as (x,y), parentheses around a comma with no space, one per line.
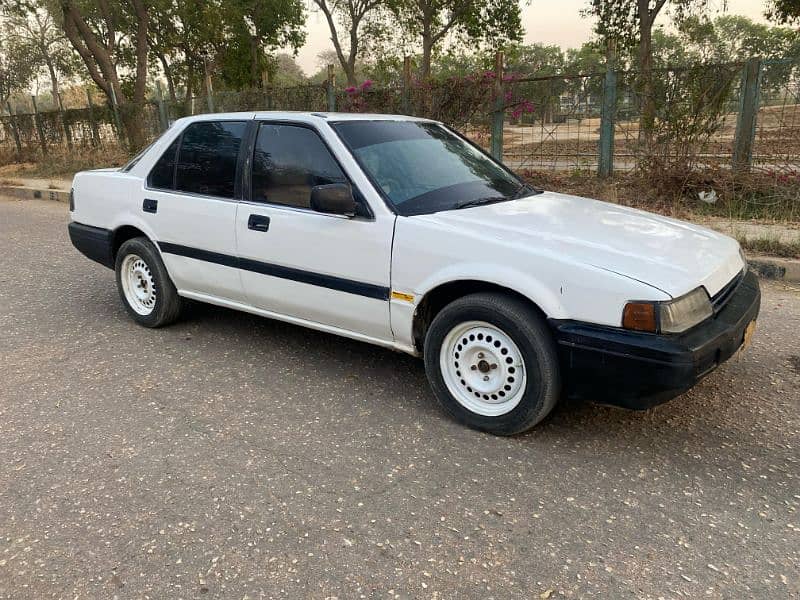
(300,116)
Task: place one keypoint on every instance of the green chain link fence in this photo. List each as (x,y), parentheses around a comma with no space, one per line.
(739,115)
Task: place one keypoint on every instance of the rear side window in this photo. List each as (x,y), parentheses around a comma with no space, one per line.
(207,158)
(288,161)
(162,176)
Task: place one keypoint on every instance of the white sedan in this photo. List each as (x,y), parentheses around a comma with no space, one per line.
(397,231)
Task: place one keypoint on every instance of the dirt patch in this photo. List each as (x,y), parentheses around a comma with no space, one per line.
(794,363)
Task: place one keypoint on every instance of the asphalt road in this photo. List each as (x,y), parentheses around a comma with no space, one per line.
(230,456)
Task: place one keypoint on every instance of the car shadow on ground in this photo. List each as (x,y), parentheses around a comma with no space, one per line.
(332,355)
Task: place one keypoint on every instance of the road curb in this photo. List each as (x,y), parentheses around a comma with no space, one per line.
(772,267)
(27,193)
(766,267)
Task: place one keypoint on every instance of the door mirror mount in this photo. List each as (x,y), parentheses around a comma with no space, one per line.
(334,199)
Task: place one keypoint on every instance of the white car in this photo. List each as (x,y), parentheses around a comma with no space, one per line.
(397,231)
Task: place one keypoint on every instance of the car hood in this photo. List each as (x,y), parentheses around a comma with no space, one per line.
(670,255)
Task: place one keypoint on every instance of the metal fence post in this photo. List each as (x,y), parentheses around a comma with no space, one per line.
(163,122)
(14,131)
(748,116)
(406,98)
(38,122)
(499,108)
(331,89)
(92,122)
(605,161)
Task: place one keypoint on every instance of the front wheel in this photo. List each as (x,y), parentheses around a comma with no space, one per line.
(147,292)
(492,363)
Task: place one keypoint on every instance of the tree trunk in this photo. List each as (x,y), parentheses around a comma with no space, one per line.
(187,101)
(350,73)
(255,73)
(101,61)
(132,118)
(348,64)
(53,80)
(427,53)
(168,75)
(645,58)
(647,91)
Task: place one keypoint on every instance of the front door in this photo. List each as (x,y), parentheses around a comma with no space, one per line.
(322,268)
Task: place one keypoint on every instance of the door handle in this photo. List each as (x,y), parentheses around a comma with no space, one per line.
(258,223)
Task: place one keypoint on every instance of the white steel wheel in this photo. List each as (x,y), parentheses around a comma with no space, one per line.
(138,284)
(483,368)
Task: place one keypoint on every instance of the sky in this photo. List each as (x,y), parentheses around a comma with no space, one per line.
(545,21)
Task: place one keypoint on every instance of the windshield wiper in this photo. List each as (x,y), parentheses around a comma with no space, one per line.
(480,202)
(524,190)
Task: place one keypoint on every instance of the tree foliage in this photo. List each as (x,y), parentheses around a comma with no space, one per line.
(16,67)
(784,11)
(630,24)
(355,26)
(491,22)
(35,35)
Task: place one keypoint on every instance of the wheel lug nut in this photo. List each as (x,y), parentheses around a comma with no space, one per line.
(486,378)
(474,367)
(480,354)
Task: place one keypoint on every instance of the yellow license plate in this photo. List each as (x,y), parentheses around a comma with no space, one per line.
(748,335)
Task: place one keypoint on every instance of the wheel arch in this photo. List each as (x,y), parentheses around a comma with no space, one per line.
(444,293)
(122,234)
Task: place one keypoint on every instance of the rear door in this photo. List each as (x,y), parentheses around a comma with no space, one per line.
(323,268)
(191,197)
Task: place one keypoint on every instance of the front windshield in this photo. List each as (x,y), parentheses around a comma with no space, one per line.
(424,168)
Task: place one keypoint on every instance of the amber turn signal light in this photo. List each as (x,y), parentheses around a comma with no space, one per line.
(640,316)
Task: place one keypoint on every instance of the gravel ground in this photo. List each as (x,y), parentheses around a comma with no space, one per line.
(230,456)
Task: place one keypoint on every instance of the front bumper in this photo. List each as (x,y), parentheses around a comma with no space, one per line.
(640,370)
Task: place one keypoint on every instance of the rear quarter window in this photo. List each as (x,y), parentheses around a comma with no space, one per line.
(207,158)
(162,175)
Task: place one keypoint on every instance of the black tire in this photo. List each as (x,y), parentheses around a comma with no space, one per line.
(528,330)
(168,303)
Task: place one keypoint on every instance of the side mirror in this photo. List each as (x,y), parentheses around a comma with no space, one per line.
(334,199)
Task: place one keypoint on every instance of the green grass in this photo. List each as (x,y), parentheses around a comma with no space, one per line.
(771,247)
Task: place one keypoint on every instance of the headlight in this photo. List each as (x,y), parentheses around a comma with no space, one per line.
(675,316)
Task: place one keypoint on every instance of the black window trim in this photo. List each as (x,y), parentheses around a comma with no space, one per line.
(237,184)
(247,187)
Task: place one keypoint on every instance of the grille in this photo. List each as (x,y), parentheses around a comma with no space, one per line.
(721,298)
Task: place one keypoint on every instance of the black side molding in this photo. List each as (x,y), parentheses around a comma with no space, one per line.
(93,242)
(349,286)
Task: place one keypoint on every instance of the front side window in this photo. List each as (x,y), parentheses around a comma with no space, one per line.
(288,161)
(424,168)
(207,158)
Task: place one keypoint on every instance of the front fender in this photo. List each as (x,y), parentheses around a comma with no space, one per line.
(526,284)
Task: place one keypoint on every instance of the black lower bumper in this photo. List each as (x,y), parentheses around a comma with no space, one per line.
(640,370)
(93,242)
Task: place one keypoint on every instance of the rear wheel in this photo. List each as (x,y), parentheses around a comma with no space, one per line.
(492,363)
(147,292)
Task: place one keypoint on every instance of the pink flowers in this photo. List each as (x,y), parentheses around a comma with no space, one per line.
(522,107)
(363,87)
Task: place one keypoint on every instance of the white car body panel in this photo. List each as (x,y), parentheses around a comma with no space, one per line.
(353,249)
(574,258)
